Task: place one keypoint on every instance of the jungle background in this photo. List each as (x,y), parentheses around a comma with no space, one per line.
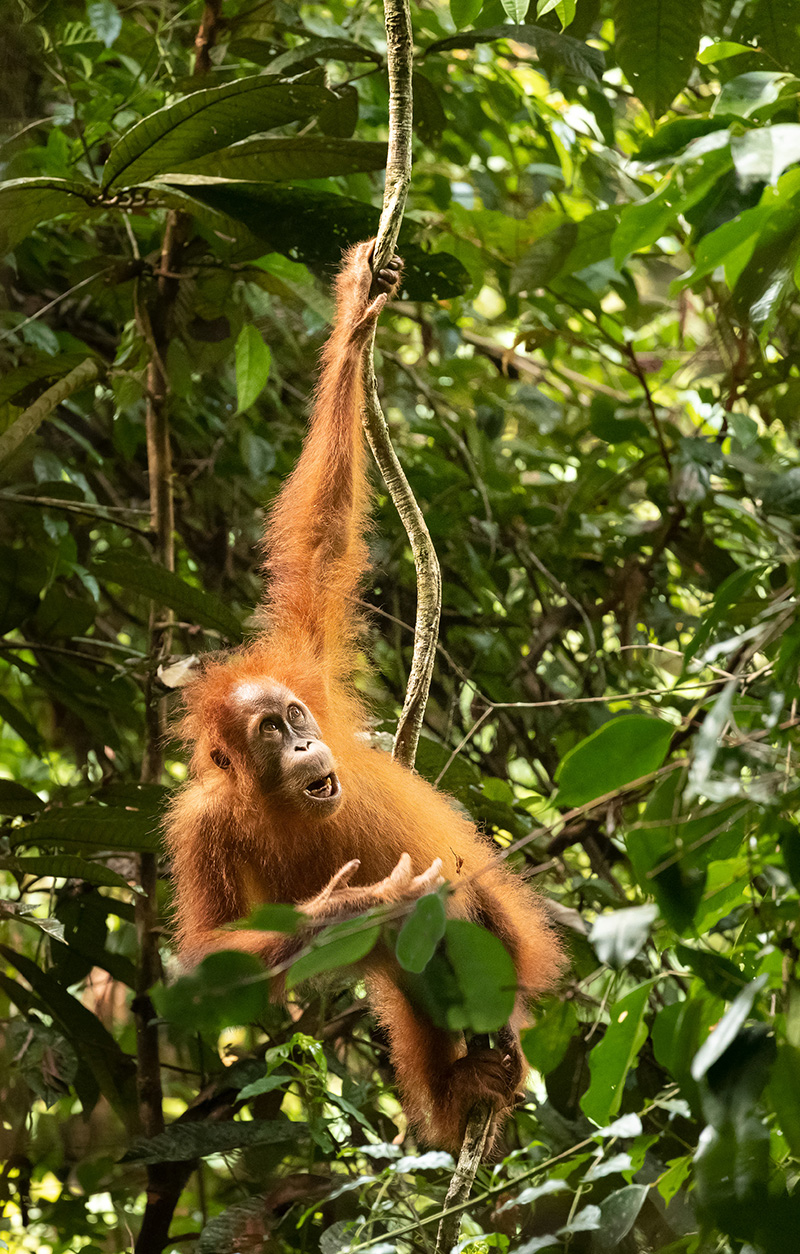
(591,378)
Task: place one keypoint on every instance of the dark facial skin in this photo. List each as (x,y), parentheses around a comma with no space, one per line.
(287,754)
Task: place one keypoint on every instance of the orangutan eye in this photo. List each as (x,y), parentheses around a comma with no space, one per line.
(269,724)
(295,714)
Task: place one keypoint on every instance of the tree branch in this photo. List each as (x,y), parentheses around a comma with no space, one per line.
(472,1148)
(33,417)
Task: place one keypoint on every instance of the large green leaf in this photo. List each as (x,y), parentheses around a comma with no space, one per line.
(619,1212)
(164,587)
(747,93)
(228,989)
(656,46)
(287,220)
(761,155)
(486,977)
(421,933)
(91,828)
(338,946)
(66,866)
(206,121)
(727,1030)
(545,1044)
(611,1060)
(768,277)
(279,159)
(622,750)
(25,203)
(15,799)
(644,221)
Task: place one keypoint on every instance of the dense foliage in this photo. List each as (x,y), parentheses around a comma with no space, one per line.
(592,381)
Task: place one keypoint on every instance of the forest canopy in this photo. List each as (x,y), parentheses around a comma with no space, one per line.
(592,381)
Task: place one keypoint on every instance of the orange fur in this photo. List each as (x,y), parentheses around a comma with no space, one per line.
(233,846)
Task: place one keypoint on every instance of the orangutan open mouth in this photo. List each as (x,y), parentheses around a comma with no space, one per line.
(324,789)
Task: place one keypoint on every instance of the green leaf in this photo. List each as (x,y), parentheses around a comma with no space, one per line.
(486,977)
(728,1028)
(271,917)
(164,587)
(720,976)
(67,866)
(708,739)
(25,730)
(26,203)
(104,20)
(784,1093)
(622,750)
(321,48)
(747,93)
(586,1220)
(645,221)
(337,946)
(253,360)
(656,46)
(619,1212)
(515,9)
(721,51)
(267,1084)
(768,276)
(182,1142)
(206,121)
(544,260)
(619,936)
(286,219)
(228,989)
(611,1060)
(564,8)
(289,160)
(92,827)
(464,12)
(421,933)
(14,799)
(546,1044)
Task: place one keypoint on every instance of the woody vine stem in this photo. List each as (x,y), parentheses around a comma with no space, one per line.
(399,55)
(429,584)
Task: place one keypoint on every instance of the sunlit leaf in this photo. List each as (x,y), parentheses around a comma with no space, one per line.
(622,750)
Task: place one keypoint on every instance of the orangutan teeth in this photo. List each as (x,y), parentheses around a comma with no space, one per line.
(321,787)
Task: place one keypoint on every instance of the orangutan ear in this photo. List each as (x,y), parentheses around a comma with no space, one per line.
(220,759)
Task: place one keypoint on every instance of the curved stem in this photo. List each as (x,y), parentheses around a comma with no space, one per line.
(429,585)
